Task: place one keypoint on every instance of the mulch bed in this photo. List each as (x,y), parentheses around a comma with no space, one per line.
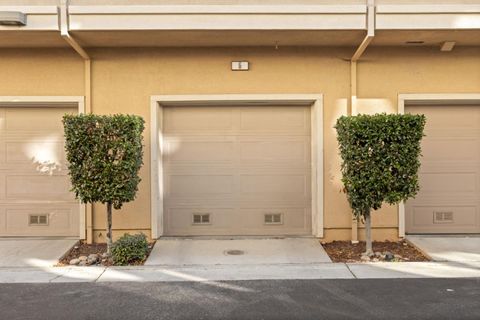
(345,251)
(84,249)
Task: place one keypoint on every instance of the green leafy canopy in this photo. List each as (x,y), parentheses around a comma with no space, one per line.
(380,158)
(104,154)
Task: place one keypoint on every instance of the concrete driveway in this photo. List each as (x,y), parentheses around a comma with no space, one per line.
(32,252)
(237,252)
(448,247)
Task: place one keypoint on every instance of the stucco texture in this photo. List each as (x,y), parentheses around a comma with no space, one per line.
(124,79)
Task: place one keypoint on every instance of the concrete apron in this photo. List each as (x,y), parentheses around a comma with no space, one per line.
(284,264)
(182,252)
(448,247)
(21,252)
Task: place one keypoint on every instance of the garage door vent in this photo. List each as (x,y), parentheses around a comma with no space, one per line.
(273,218)
(443,217)
(201,218)
(38,220)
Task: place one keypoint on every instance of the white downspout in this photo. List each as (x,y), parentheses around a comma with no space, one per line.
(64,27)
(352,110)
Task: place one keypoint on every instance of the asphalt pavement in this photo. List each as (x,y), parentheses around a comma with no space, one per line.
(259,299)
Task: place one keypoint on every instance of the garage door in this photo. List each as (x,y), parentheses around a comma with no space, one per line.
(449,199)
(34,185)
(237,170)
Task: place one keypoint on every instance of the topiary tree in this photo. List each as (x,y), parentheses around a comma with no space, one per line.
(104,155)
(380,161)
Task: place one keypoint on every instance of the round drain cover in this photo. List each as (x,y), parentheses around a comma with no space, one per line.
(234,252)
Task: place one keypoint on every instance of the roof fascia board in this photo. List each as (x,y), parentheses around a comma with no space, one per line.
(31,10)
(217,9)
(440,8)
(428,17)
(39,18)
(218,17)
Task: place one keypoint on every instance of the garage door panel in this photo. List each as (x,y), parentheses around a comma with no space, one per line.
(249,221)
(449,197)
(48,120)
(275,119)
(275,152)
(61,220)
(195,185)
(197,119)
(36,152)
(450,150)
(3,220)
(452,182)
(199,152)
(445,218)
(181,219)
(24,187)
(274,185)
(255,163)
(443,117)
(33,174)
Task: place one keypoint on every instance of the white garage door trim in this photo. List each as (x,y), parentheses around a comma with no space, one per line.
(156,113)
(51,101)
(430,99)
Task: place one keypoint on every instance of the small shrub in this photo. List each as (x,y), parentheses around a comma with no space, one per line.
(129,249)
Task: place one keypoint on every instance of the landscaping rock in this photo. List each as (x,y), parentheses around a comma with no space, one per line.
(74,262)
(83,258)
(104,255)
(82,263)
(375,260)
(389,256)
(93,256)
(365,258)
(397,256)
(378,254)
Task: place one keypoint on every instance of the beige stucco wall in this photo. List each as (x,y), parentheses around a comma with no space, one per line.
(124,79)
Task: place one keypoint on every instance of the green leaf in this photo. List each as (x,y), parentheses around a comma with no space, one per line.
(380,158)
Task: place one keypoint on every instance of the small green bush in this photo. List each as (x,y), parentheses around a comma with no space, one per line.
(129,249)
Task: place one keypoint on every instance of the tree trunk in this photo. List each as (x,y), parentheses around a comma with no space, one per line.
(368,234)
(109,227)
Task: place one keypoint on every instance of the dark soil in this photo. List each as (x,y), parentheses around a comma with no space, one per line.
(345,251)
(84,249)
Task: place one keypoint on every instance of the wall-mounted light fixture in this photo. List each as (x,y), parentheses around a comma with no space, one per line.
(12,18)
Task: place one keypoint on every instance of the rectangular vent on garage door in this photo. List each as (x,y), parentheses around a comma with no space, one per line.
(273,218)
(201,218)
(442,217)
(38,220)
